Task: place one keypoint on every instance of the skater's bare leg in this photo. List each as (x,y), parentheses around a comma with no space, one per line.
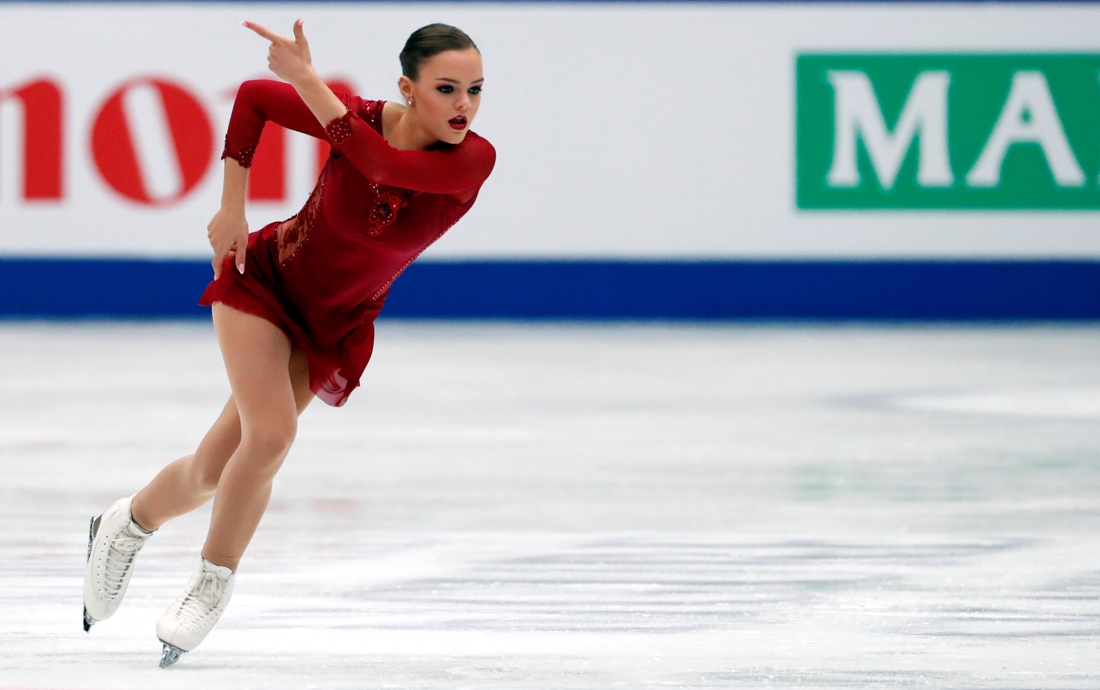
(191,481)
(257,357)
(181,487)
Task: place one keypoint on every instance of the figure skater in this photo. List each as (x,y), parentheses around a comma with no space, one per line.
(294,303)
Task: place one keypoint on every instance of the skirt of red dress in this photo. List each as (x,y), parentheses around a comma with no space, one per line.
(333,373)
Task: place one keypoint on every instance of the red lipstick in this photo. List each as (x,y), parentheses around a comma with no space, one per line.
(458,122)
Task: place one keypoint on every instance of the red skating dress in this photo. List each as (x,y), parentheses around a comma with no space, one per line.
(323,275)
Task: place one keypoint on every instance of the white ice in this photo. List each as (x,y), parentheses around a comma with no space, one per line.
(567,506)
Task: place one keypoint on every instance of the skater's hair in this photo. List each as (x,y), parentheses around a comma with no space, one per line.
(429,41)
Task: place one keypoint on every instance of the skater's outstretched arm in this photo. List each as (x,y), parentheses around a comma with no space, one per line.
(264,100)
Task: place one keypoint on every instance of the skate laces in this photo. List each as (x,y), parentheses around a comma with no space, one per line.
(202,599)
(120,558)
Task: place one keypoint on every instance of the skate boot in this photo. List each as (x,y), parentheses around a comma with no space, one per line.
(186,623)
(113,541)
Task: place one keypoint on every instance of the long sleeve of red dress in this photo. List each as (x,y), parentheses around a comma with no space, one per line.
(323,275)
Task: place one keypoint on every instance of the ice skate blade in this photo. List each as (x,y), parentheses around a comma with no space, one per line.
(170,655)
(91,538)
(88,620)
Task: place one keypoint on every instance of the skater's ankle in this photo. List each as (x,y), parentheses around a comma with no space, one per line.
(141,523)
(140,527)
(222,561)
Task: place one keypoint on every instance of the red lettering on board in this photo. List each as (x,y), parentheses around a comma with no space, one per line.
(43,138)
(267,176)
(190,135)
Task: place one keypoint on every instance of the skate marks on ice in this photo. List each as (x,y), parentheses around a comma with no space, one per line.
(561,610)
(555,506)
(697,610)
(1078,402)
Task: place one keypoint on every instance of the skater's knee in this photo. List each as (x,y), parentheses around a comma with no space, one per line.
(205,476)
(215,449)
(271,442)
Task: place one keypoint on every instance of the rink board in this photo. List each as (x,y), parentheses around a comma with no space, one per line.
(655,160)
(864,290)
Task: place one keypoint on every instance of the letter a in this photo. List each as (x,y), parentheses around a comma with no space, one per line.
(1028,117)
(858,116)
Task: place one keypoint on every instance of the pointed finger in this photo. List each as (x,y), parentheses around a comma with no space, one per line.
(262,31)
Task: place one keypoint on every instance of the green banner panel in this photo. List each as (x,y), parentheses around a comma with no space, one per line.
(938,131)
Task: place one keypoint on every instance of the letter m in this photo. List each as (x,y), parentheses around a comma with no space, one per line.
(42,137)
(857,116)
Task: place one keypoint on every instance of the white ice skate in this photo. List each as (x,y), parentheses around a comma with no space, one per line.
(186,623)
(113,541)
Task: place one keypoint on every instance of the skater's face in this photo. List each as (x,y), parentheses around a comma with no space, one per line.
(447,93)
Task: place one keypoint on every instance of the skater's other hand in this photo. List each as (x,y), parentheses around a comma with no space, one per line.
(288,58)
(228,235)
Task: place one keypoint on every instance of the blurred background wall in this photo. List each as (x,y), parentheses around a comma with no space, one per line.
(655,160)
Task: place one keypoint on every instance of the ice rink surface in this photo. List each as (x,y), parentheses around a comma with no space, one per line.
(584,506)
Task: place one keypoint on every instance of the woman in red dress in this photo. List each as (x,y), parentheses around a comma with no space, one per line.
(294,303)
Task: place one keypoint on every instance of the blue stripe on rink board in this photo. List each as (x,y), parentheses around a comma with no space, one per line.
(78,288)
(900,290)
(830,290)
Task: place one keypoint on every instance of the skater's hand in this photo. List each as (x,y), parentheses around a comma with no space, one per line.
(288,59)
(228,235)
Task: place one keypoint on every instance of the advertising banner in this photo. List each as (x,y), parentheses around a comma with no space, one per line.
(981,132)
(733,135)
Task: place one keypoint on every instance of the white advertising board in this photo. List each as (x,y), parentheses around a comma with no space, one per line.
(622,130)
